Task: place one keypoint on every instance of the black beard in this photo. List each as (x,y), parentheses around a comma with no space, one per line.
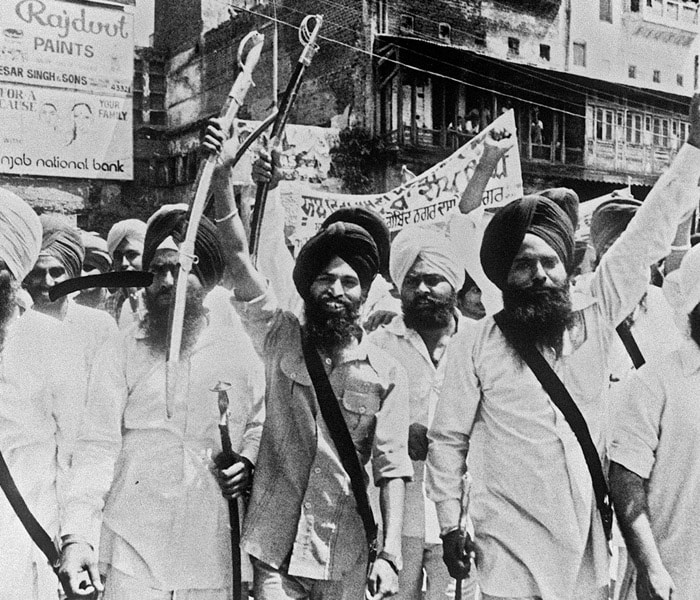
(428,313)
(156,322)
(330,331)
(8,297)
(694,320)
(539,314)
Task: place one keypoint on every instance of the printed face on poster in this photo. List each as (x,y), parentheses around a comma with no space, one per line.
(65,89)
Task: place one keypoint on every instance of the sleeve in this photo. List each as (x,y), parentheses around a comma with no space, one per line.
(262,318)
(623,273)
(256,413)
(390,447)
(636,426)
(274,259)
(449,434)
(98,445)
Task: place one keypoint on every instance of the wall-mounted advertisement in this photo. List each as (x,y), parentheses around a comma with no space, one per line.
(66,70)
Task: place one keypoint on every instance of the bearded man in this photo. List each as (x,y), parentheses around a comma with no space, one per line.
(428,275)
(143,482)
(303,527)
(42,391)
(61,258)
(537,527)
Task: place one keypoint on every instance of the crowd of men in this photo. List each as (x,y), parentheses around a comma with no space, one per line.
(485,379)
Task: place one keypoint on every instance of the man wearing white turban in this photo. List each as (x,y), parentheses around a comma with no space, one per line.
(41,398)
(655,474)
(428,275)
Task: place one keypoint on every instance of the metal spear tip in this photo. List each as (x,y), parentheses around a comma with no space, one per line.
(221,388)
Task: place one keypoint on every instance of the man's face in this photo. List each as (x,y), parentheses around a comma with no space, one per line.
(82,117)
(127,255)
(470,304)
(336,286)
(47,272)
(164,267)
(8,290)
(536,264)
(427,298)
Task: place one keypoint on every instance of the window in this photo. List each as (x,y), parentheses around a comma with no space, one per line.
(679,79)
(603,124)
(580,54)
(606,10)
(544,52)
(633,133)
(406,24)
(445,32)
(634,5)
(672,11)
(382,17)
(660,132)
(657,76)
(513,46)
(632,72)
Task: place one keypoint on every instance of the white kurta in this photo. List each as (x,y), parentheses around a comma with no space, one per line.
(536,524)
(42,392)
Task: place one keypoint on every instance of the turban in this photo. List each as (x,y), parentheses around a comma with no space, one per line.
(62,242)
(169,224)
(506,231)
(132,229)
(20,234)
(96,252)
(373,223)
(609,220)
(433,248)
(566,199)
(347,241)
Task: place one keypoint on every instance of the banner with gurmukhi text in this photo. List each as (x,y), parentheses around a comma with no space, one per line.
(66,72)
(426,199)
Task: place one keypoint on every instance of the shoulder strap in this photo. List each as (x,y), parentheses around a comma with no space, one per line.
(333,417)
(624,331)
(565,403)
(33,527)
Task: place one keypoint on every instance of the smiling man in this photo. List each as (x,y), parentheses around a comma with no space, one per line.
(537,528)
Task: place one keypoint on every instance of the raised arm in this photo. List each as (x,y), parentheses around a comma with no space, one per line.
(247,281)
(496,145)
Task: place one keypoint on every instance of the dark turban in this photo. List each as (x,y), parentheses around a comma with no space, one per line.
(347,241)
(375,226)
(566,199)
(609,220)
(96,252)
(172,221)
(506,231)
(62,241)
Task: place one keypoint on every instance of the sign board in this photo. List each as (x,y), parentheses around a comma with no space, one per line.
(66,72)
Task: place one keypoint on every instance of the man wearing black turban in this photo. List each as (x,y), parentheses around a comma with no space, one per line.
(538,532)
(166,533)
(61,258)
(303,525)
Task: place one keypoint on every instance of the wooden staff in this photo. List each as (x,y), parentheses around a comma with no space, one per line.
(308,38)
(463,513)
(229,110)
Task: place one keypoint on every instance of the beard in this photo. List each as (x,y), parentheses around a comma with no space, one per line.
(539,314)
(330,330)
(428,312)
(156,321)
(8,297)
(694,321)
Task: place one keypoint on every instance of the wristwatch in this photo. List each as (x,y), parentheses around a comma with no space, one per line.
(392,559)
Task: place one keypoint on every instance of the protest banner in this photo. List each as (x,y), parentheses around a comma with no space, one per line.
(66,73)
(427,199)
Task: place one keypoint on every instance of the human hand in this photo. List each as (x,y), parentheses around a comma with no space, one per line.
(497,143)
(417,441)
(217,141)
(377,319)
(382,580)
(457,553)
(654,584)
(267,165)
(78,571)
(236,479)
(694,113)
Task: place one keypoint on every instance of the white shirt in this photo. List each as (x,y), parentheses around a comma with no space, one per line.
(656,434)
(88,328)
(532,501)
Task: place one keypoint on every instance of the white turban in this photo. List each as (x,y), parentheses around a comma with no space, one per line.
(130,228)
(20,234)
(432,247)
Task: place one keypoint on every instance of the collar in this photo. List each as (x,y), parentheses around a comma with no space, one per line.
(398,326)
(690,357)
